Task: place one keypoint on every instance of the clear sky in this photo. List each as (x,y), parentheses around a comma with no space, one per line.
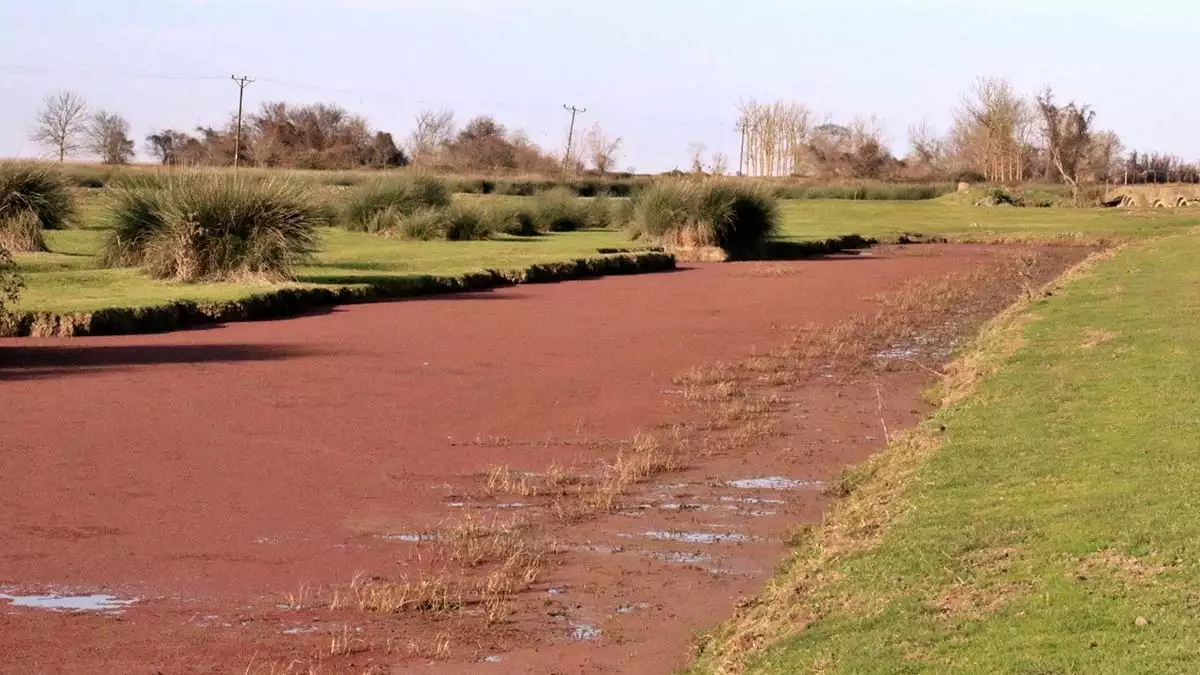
(659,73)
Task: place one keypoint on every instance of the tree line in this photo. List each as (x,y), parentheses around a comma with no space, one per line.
(997,135)
(317,136)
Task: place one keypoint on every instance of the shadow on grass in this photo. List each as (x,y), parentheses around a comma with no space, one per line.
(42,362)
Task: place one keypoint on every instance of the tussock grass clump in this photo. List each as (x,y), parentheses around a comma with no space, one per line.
(378,206)
(512,220)
(735,216)
(32,198)
(459,222)
(209,227)
(869,192)
(559,210)
(10,282)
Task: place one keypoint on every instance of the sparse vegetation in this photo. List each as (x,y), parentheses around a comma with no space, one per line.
(945,548)
(213,228)
(33,198)
(736,217)
(10,282)
(381,205)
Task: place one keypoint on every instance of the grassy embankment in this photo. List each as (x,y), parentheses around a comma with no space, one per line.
(1042,524)
(68,279)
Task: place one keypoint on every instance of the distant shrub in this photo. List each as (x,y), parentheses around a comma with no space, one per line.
(376,206)
(460,222)
(876,192)
(735,216)
(210,227)
(968,176)
(559,210)
(10,282)
(423,225)
(512,220)
(32,198)
(523,188)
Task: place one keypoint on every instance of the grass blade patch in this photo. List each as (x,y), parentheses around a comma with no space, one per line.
(32,198)
(734,216)
(213,227)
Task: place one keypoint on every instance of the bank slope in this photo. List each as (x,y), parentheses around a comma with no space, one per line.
(1050,527)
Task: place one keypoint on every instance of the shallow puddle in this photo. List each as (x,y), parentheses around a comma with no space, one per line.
(409,537)
(691,537)
(681,558)
(630,609)
(70,603)
(773,483)
(584,631)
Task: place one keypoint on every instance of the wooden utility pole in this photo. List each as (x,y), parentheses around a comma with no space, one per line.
(741,125)
(571,132)
(242,82)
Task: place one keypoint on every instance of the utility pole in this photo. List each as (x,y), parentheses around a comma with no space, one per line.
(242,82)
(571,132)
(741,125)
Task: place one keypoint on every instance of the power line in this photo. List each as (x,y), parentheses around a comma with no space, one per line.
(242,83)
(571,132)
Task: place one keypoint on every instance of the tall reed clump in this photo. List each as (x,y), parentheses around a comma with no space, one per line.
(380,205)
(736,217)
(868,192)
(559,210)
(10,282)
(32,198)
(458,222)
(213,227)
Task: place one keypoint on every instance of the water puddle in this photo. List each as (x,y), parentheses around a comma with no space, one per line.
(898,353)
(682,558)
(690,537)
(584,631)
(685,507)
(70,603)
(630,609)
(773,483)
(409,537)
(300,630)
(600,548)
(753,500)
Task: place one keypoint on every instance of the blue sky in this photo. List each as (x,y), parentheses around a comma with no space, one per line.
(659,73)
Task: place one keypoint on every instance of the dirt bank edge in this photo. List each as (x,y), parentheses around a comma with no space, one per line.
(869,496)
(286,302)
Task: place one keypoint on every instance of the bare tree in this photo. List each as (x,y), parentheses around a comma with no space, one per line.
(993,131)
(776,137)
(720,164)
(1066,132)
(434,131)
(925,146)
(1105,159)
(696,156)
(60,122)
(107,136)
(601,150)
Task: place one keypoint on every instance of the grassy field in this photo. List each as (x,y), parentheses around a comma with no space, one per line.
(821,219)
(67,278)
(1047,529)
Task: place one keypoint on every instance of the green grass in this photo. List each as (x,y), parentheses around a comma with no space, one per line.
(806,220)
(67,280)
(1054,530)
